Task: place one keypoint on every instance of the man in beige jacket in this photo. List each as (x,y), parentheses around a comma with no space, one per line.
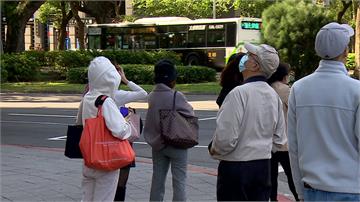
(249,121)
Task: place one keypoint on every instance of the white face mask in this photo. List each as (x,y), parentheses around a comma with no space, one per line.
(242,62)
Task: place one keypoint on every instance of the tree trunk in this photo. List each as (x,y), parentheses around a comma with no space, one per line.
(17,15)
(66,17)
(79,23)
(15,35)
(357,44)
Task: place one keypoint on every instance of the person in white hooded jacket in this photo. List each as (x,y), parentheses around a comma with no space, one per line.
(104,79)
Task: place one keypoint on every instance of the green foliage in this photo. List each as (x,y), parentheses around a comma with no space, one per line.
(51,11)
(4,75)
(350,62)
(184,8)
(72,59)
(252,8)
(195,74)
(54,65)
(291,27)
(141,74)
(144,74)
(336,6)
(77,75)
(19,67)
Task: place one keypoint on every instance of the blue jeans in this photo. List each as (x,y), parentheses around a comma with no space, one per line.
(162,160)
(318,195)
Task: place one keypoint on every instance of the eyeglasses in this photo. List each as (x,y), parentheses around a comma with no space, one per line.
(253,56)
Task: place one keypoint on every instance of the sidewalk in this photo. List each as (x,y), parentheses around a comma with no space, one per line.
(45,174)
(71,101)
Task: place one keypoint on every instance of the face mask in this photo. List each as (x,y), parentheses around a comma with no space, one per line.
(242,62)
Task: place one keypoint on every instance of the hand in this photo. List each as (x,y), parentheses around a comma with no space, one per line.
(122,74)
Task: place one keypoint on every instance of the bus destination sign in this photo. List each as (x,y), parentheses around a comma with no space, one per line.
(250,25)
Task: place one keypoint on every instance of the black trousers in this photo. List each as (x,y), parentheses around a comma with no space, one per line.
(281,157)
(244,180)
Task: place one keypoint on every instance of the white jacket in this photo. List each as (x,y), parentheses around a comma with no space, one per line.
(104,80)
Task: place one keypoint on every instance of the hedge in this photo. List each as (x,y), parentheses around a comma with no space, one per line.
(17,68)
(143,74)
(30,65)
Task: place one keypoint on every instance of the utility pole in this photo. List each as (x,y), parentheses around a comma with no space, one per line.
(214,9)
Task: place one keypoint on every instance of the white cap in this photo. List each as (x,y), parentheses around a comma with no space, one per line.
(268,57)
(332,40)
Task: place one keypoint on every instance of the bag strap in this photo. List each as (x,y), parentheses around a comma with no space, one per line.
(100,100)
(173,106)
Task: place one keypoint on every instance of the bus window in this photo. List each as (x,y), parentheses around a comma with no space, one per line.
(164,40)
(231,33)
(178,40)
(94,42)
(196,39)
(118,42)
(150,42)
(126,42)
(196,36)
(216,35)
(110,41)
(177,36)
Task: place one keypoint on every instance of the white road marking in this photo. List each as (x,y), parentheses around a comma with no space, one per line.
(42,115)
(205,119)
(62,138)
(33,122)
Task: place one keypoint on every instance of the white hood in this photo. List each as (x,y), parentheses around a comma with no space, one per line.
(103,80)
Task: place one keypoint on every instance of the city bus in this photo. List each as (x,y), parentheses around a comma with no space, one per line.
(206,42)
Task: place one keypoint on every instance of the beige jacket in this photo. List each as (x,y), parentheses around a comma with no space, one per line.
(283,91)
(248,123)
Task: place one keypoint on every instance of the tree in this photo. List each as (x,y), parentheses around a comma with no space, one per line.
(182,8)
(252,8)
(17,15)
(79,24)
(291,27)
(102,11)
(357,43)
(60,14)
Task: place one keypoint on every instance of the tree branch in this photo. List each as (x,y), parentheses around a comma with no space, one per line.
(341,13)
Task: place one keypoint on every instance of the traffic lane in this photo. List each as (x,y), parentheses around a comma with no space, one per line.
(36,126)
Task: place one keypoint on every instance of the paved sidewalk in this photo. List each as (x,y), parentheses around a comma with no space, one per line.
(71,101)
(45,174)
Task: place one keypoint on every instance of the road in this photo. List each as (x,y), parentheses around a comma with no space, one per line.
(42,120)
(46,127)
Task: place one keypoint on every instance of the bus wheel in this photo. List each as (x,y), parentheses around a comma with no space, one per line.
(192,60)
